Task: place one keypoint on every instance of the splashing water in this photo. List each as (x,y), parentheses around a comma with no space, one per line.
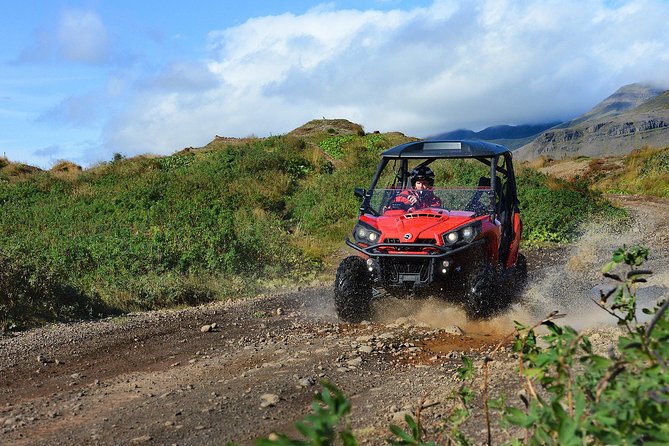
(570,287)
(566,283)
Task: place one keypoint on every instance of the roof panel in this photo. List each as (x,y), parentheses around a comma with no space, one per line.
(445,149)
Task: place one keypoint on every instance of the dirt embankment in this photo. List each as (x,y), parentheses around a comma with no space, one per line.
(157,378)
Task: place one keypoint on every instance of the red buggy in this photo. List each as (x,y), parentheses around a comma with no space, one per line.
(417,236)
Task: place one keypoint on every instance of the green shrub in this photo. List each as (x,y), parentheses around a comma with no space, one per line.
(119,226)
(32,293)
(553,211)
(588,398)
(334,145)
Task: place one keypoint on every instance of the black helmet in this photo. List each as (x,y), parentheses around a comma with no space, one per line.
(422,173)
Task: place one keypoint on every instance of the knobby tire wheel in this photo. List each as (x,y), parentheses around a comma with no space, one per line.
(479,290)
(520,277)
(353,290)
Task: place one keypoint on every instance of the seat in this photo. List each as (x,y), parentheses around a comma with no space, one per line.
(475,204)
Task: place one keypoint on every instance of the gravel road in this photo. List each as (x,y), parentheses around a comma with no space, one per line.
(239,370)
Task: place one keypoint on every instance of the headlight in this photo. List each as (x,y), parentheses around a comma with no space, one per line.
(451,238)
(465,234)
(365,233)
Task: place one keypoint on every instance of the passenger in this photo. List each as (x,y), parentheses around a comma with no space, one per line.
(421,195)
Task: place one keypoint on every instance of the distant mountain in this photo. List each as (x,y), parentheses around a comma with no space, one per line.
(512,136)
(625,98)
(636,115)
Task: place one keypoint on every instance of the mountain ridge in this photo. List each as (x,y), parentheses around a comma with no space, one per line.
(512,136)
(636,115)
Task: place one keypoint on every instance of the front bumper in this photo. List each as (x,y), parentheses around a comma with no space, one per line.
(413,268)
(413,250)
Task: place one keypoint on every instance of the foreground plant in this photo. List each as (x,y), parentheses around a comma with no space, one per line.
(321,426)
(575,396)
(449,431)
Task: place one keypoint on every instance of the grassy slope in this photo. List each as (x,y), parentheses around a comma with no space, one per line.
(644,172)
(205,223)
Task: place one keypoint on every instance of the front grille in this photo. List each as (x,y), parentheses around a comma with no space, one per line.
(428,241)
(396,271)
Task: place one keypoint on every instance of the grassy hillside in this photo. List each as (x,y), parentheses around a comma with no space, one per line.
(223,220)
(644,172)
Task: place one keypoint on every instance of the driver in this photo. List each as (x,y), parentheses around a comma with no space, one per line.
(421,196)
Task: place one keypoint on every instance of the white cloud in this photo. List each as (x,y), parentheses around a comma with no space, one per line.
(82,37)
(78,36)
(79,110)
(419,71)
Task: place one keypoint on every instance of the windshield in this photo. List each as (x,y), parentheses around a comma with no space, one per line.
(478,200)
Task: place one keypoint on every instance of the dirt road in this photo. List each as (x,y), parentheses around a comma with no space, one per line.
(170,378)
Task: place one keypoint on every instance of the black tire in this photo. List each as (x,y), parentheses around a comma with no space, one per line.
(353,290)
(520,277)
(480,287)
(516,283)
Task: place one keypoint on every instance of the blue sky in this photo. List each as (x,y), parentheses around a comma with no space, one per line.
(82,80)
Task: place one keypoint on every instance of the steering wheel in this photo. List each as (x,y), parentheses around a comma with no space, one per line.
(397,206)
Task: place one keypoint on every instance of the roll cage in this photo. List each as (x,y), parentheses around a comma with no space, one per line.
(498,159)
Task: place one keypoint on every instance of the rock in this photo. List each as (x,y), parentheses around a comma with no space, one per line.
(205,328)
(365,338)
(214,325)
(307,382)
(268,400)
(355,362)
(398,417)
(454,330)
(366,349)
(142,439)
(279,311)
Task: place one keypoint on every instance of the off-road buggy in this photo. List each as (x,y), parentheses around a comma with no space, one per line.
(462,246)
